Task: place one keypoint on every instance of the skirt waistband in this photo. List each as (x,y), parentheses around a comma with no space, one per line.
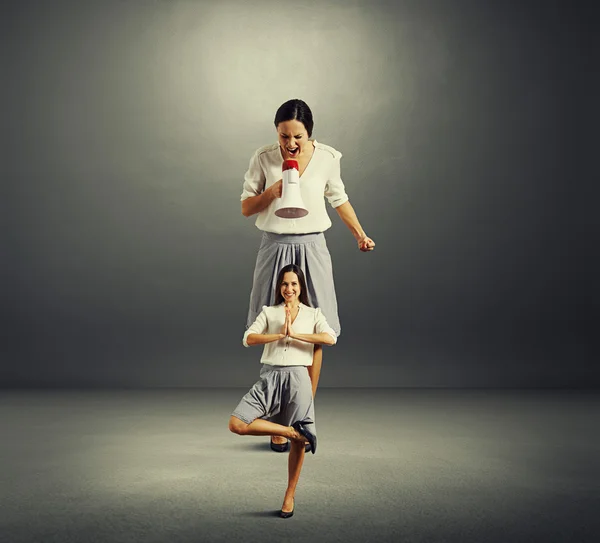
(270,367)
(293,238)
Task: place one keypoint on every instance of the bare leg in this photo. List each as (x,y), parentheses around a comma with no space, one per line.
(260,427)
(295,461)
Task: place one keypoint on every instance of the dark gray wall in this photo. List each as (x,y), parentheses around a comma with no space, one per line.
(129,126)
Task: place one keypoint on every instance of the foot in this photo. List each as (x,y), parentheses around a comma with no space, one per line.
(287,509)
(307,445)
(295,435)
(278,440)
(304,429)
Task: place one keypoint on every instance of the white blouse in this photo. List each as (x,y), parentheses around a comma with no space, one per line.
(320,179)
(286,351)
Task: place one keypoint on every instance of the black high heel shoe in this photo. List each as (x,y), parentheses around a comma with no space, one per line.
(310,437)
(288,514)
(280,447)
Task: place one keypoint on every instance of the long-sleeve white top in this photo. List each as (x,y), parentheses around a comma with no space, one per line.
(321,179)
(287,351)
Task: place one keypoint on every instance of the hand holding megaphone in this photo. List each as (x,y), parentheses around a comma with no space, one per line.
(276,189)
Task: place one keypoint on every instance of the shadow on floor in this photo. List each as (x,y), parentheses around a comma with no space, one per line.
(262,514)
(261,446)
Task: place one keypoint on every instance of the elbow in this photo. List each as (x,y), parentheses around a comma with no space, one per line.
(340,208)
(246,209)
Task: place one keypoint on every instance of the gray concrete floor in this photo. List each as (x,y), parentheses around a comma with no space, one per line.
(392,465)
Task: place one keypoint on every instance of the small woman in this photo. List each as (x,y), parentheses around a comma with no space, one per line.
(289,330)
(298,241)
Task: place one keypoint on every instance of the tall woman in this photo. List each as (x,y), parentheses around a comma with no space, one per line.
(298,241)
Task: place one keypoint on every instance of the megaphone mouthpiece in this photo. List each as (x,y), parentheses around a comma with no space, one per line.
(288,164)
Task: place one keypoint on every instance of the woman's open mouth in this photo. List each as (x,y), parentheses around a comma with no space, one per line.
(293,152)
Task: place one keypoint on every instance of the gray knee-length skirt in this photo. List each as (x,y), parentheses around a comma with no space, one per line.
(283,394)
(310,253)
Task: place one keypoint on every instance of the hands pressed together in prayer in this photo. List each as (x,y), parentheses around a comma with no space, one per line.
(286,329)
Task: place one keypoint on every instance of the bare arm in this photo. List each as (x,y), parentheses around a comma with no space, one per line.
(255,204)
(319,339)
(261,339)
(348,215)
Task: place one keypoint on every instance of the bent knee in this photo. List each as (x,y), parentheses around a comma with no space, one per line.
(237,426)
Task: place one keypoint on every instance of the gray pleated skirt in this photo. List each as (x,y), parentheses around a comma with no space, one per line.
(310,253)
(283,394)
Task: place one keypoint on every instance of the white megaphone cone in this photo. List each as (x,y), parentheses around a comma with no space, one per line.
(290,205)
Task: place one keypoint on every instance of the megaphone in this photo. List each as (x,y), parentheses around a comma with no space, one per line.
(290,205)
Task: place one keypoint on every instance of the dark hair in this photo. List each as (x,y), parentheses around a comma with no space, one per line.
(295,110)
(303,293)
